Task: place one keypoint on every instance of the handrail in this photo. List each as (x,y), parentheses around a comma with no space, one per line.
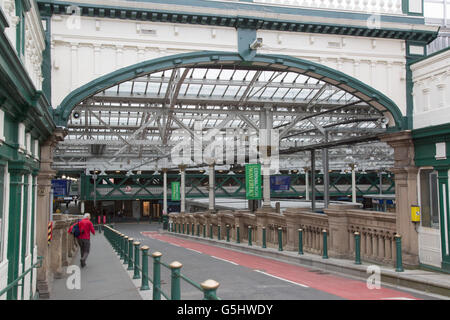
(119,244)
(13,284)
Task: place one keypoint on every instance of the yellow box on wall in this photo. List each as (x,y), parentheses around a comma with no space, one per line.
(415,213)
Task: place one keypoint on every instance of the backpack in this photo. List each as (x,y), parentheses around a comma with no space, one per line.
(76,229)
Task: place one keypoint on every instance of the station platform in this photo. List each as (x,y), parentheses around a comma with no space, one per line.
(103,278)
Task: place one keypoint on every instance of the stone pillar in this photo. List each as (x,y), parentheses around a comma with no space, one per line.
(292,224)
(338,228)
(43,208)
(352,166)
(405,192)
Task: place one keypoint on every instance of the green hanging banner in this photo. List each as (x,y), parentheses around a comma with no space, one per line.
(253,181)
(176,191)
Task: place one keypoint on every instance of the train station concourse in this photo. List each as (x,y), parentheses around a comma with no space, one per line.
(225,150)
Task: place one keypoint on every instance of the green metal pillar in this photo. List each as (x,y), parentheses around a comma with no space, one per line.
(144,283)
(300,241)
(210,231)
(125,247)
(137,274)
(325,244)
(238,236)
(398,245)
(157,275)
(280,239)
(209,289)
(228,233)
(264,245)
(357,248)
(130,254)
(249,235)
(175,291)
(218,232)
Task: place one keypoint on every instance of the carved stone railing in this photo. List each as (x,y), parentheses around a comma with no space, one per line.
(62,245)
(377,229)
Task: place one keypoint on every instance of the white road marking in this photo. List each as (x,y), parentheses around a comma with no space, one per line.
(225,260)
(194,250)
(271,275)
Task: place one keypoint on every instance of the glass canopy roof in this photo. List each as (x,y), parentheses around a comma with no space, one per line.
(133,125)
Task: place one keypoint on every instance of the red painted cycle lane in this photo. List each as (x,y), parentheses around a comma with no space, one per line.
(341,287)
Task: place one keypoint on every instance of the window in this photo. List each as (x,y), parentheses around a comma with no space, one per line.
(429,198)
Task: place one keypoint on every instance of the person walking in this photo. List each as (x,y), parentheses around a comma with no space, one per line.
(84,239)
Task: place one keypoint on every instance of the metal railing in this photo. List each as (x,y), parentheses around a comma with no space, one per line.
(128,251)
(15,283)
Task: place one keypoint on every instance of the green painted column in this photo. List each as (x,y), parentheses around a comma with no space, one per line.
(228,233)
(193,229)
(136,274)
(300,241)
(238,236)
(325,244)
(204,231)
(33,225)
(175,291)
(24,228)
(357,248)
(209,289)
(398,260)
(130,254)
(157,275)
(280,239)
(144,282)
(249,235)
(210,231)
(264,245)
(444,215)
(15,209)
(218,232)
(125,249)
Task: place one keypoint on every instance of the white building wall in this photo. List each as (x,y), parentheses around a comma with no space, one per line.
(101,46)
(431,90)
(4,261)
(379,63)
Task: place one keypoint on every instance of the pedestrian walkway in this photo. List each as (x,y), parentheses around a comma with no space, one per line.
(103,278)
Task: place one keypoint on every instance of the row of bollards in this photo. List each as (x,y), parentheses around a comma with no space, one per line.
(398,264)
(128,250)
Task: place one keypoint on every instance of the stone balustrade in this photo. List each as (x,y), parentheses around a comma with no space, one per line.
(63,245)
(377,229)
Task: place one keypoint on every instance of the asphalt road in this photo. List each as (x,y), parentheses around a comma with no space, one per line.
(244,276)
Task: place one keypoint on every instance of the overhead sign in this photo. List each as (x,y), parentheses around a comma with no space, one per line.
(280,183)
(253,181)
(60,188)
(176,196)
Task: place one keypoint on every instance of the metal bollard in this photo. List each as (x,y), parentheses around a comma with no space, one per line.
(325,245)
(125,247)
(187,229)
(204,231)
(130,254)
(157,275)
(264,237)
(399,263)
(218,232)
(144,283)
(137,274)
(238,236)
(280,239)
(249,235)
(228,233)
(198,230)
(183,227)
(300,241)
(209,289)
(357,248)
(193,229)
(210,231)
(121,240)
(175,280)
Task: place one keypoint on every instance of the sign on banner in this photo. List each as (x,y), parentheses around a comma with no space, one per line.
(253,181)
(176,191)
